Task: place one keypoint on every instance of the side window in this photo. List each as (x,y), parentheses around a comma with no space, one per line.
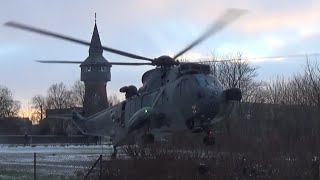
(202,81)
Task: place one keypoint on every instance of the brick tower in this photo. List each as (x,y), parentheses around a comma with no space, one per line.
(95,73)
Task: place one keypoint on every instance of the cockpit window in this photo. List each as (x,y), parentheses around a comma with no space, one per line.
(214,81)
(202,80)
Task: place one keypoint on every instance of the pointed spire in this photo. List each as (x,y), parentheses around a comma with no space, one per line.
(95,45)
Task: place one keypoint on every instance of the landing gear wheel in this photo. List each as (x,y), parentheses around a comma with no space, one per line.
(148,138)
(208,141)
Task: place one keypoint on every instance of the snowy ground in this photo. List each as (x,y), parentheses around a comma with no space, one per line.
(52,161)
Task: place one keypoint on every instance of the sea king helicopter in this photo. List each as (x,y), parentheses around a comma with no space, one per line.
(175,96)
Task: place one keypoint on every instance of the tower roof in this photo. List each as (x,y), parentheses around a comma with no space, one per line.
(95,44)
(95,50)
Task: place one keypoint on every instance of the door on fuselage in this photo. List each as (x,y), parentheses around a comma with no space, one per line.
(133,105)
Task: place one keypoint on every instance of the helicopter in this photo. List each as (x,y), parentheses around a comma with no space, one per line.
(175,96)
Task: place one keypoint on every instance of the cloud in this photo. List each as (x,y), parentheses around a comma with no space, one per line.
(289,18)
(262,16)
(308,31)
(274,42)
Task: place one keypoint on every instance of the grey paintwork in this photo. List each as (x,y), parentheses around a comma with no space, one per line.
(164,104)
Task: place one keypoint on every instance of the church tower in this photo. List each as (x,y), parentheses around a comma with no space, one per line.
(95,73)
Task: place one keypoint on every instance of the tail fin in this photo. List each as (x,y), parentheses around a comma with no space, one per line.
(76,116)
(79,121)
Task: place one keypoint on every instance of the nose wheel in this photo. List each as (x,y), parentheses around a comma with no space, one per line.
(209,139)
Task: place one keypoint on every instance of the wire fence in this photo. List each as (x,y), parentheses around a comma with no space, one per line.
(151,162)
(50,166)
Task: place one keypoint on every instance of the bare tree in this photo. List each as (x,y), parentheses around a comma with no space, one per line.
(113,100)
(78,90)
(258,92)
(8,106)
(40,106)
(235,72)
(300,89)
(308,83)
(59,97)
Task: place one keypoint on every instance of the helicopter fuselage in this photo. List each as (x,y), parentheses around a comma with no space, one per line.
(170,100)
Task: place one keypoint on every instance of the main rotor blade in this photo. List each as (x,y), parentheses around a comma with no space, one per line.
(67,38)
(129,64)
(286,56)
(60,62)
(79,62)
(229,16)
(266,57)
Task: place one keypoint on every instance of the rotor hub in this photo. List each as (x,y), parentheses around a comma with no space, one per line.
(165,61)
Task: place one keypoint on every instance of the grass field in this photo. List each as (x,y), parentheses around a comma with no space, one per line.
(52,161)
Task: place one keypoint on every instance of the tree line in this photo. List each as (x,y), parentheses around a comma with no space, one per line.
(302,88)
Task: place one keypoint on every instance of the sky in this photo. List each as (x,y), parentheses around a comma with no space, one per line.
(149,28)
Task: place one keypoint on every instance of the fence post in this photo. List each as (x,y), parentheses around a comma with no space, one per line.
(34,166)
(100,175)
(94,165)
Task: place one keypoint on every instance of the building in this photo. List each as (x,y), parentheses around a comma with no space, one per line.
(95,73)
(54,125)
(15,126)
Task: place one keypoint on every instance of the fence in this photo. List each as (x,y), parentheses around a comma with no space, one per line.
(50,166)
(47,139)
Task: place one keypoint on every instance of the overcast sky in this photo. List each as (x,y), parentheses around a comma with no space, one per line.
(150,28)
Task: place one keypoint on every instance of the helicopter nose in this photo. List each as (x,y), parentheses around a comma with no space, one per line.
(214,106)
(208,108)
